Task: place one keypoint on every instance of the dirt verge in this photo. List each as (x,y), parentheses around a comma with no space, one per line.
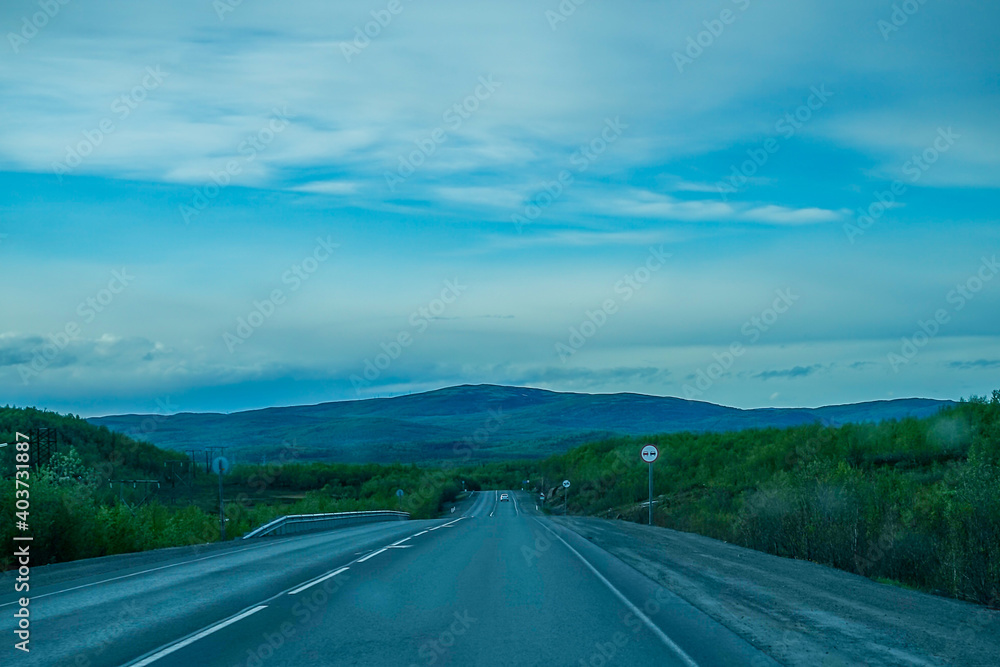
(799,612)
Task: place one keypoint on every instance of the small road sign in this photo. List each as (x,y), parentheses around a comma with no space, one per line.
(220,465)
(399,493)
(565,483)
(650,453)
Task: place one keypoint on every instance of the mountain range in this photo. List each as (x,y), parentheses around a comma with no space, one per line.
(472,421)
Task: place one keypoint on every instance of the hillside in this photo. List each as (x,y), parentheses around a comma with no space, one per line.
(915,501)
(475,421)
(910,500)
(113,454)
(81,505)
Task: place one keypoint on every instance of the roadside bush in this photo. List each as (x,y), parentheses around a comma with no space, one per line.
(915,501)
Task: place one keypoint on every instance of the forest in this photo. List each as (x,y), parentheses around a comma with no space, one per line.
(914,502)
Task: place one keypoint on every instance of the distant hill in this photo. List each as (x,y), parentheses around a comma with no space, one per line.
(481,421)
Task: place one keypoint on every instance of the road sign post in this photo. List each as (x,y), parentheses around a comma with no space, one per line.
(566,504)
(399,496)
(650,494)
(649,454)
(220,466)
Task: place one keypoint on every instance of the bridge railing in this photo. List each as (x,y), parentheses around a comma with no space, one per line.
(307,523)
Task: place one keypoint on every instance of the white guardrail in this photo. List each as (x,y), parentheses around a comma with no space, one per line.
(307,523)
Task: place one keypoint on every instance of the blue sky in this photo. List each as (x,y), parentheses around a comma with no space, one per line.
(220,206)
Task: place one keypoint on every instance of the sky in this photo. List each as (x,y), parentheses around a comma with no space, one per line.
(218,206)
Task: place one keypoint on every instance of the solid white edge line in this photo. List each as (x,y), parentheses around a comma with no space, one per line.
(631,607)
(190,640)
(420,533)
(317,581)
(371,555)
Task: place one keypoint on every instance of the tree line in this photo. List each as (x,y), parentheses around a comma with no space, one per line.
(912,501)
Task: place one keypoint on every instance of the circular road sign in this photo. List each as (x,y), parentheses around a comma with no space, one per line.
(650,453)
(565,483)
(399,492)
(220,465)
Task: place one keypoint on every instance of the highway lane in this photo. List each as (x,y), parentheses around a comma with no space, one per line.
(496,584)
(109,618)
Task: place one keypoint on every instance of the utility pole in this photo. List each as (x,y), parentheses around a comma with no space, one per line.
(191,470)
(222,511)
(220,466)
(149,487)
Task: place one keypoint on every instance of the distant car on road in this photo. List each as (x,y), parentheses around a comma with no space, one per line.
(504,497)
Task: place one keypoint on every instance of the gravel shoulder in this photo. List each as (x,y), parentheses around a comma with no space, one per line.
(799,612)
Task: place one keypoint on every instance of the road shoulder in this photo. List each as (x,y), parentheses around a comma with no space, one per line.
(800,612)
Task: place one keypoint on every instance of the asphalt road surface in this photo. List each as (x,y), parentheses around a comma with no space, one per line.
(493,584)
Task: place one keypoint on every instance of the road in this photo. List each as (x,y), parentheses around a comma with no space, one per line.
(495,584)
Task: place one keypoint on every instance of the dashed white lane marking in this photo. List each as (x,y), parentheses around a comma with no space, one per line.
(446,525)
(317,581)
(204,633)
(219,626)
(190,640)
(371,555)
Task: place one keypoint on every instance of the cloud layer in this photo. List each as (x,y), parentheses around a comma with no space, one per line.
(533,154)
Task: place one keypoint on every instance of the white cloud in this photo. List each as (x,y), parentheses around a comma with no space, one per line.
(646,204)
(328,187)
(782,215)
